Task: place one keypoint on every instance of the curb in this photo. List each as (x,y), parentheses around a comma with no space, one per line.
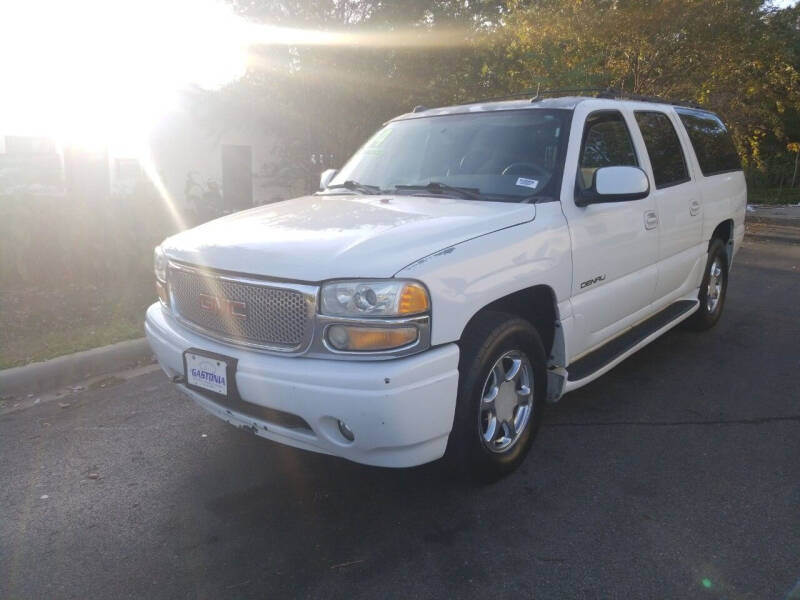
(73,368)
(781,239)
(785,221)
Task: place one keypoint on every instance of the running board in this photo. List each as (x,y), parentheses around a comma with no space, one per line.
(611,351)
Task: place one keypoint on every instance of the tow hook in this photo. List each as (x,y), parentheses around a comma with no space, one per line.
(179,379)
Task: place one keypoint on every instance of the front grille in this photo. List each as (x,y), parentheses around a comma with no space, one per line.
(252,313)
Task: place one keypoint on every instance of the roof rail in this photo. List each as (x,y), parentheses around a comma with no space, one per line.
(596,92)
(618,94)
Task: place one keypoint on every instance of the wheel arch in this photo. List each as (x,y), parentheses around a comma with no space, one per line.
(536,304)
(724,232)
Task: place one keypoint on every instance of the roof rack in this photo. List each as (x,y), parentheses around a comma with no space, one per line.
(535,94)
(597,92)
(618,94)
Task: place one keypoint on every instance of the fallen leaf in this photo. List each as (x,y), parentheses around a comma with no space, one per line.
(346,564)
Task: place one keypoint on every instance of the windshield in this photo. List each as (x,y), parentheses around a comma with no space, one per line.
(504,155)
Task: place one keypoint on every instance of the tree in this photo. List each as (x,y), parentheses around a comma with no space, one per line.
(729,55)
(736,57)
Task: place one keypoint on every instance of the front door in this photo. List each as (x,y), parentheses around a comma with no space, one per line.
(614,244)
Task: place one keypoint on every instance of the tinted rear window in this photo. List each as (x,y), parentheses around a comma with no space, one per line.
(711,141)
(663,148)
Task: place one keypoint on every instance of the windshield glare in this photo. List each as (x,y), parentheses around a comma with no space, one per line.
(505,155)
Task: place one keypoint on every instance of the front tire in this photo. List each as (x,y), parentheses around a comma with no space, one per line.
(713,288)
(502,386)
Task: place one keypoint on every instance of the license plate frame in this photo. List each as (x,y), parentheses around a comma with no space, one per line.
(195,355)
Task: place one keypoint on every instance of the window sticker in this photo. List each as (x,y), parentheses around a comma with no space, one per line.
(530,183)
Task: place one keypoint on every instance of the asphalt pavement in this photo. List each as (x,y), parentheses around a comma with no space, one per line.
(676,475)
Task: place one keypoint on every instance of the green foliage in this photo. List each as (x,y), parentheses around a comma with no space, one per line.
(773,196)
(734,56)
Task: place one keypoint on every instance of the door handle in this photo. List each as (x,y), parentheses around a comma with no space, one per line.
(650,219)
(694,208)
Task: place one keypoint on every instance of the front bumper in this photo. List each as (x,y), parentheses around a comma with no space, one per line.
(401,411)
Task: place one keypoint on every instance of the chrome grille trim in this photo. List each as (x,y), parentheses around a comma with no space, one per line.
(281,316)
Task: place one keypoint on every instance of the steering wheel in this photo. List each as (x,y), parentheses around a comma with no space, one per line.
(524,168)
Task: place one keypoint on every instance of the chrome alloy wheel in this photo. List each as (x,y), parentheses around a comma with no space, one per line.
(506,402)
(714,290)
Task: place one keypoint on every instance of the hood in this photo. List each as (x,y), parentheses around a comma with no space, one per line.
(326,237)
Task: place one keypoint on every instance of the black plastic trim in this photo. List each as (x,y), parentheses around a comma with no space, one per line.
(597,359)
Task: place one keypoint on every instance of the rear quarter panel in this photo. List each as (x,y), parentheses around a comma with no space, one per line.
(724,197)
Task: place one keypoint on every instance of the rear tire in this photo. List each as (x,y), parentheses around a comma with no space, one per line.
(502,386)
(713,288)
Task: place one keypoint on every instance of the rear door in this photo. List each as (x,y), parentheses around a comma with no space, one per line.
(614,244)
(677,199)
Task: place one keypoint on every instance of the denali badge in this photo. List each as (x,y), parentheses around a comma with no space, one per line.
(223,306)
(593,281)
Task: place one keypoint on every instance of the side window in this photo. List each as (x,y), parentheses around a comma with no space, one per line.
(711,141)
(663,148)
(606,143)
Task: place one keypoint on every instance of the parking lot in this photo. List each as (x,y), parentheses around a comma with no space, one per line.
(676,475)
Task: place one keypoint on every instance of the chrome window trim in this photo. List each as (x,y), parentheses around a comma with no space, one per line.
(315,345)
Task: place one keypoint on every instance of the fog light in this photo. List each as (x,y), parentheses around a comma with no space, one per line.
(346,432)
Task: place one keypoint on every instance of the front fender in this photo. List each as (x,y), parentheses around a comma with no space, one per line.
(464,278)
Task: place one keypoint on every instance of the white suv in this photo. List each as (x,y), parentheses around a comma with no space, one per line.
(466,265)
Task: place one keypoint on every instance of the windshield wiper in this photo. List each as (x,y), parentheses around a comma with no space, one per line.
(438,188)
(354,186)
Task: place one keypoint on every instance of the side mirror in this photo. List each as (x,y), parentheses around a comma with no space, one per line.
(615,184)
(326,176)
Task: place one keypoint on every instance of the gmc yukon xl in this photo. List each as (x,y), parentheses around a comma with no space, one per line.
(466,266)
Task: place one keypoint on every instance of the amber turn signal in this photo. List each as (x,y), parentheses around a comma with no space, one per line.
(364,339)
(413,300)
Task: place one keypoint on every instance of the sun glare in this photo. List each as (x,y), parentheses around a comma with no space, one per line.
(93,72)
(100,71)
(103,74)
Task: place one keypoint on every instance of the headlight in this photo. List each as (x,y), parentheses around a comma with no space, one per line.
(160,269)
(379,298)
(160,264)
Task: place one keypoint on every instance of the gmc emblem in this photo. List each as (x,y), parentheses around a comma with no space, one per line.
(223,306)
